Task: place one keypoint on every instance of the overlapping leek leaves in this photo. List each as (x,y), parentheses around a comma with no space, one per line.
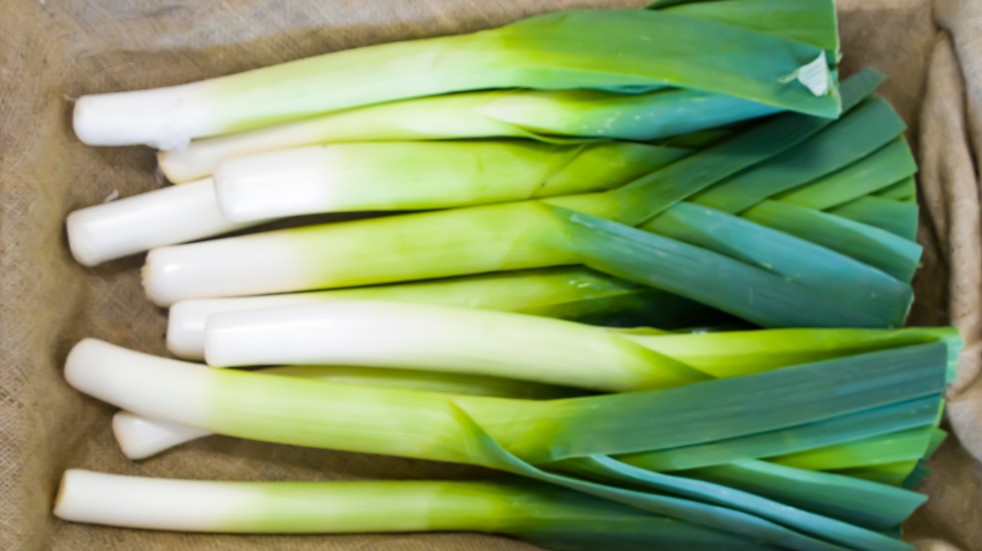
(855,396)
(428,335)
(621,51)
(761,266)
(531,113)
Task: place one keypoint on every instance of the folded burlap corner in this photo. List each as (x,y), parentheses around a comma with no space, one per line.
(49,50)
(950,143)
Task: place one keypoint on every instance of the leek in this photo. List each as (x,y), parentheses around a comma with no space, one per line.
(577,294)
(556,518)
(135,224)
(355,177)
(526,234)
(614,50)
(403,176)
(440,338)
(419,424)
(140,437)
(535,114)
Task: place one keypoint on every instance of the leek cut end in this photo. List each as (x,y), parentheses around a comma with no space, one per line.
(140,438)
(80,241)
(148,117)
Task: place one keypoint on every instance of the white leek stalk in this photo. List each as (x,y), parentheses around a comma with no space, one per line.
(140,437)
(528,290)
(618,50)
(136,224)
(313,507)
(542,514)
(301,258)
(460,340)
(418,336)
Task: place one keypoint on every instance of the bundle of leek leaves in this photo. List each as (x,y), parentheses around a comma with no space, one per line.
(658,286)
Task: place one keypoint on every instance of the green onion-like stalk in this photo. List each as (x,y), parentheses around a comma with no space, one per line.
(424,175)
(738,266)
(616,50)
(573,293)
(418,336)
(353,177)
(141,437)
(426,424)
(534,114)
(557,518)
(139,223)
(460,340)
(486,431)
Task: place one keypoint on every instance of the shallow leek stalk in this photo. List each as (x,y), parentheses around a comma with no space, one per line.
(611,49)
(717,354)
(460,340)
(484,430)
(573,293)
(430,425)
(418,336)
(141,437)
(532,113)
(535,512)
(135,224)
(537,114)
(404,176)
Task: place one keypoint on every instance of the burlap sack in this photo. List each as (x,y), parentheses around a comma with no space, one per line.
(52,50)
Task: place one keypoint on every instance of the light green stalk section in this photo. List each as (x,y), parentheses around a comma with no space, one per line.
(337,416)
(429,381)
(576,49)
(431,175)
(737,353)
(566,292)
(510,236)
(908,445)
(417,506)
(547,115)
(554,517)
(430,426)
(511,291)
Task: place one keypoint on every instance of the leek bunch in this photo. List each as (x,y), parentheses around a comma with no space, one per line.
(735,226)
(621,51)
(833,412)
(656,282)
